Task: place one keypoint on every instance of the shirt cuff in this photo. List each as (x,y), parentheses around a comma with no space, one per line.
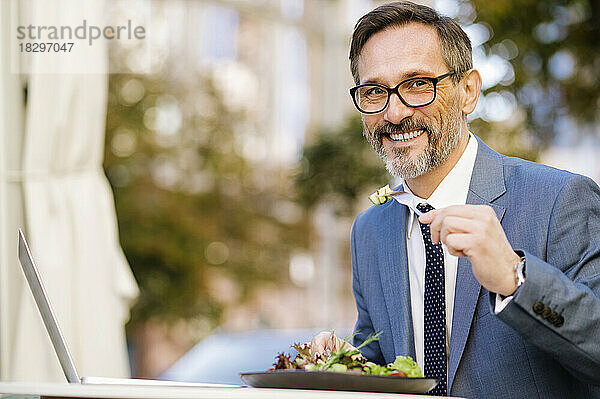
(501,303)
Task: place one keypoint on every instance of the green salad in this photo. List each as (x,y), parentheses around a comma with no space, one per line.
(346,360)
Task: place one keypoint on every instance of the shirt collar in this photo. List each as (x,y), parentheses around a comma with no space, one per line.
(452,190)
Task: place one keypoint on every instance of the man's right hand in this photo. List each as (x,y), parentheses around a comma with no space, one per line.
(326,342)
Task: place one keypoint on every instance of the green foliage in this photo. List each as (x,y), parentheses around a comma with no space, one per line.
(544,33)
(339,165)
(407,365)
(346,358)
(191,213)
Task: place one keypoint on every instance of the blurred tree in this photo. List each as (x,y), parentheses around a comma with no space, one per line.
(339,165)
(196,219)
(554,49)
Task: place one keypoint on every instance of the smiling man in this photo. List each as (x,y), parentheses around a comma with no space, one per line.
(508,304)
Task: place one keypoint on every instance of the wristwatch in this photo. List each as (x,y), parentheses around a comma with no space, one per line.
(520,271)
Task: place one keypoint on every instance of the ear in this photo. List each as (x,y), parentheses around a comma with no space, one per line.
(470,87)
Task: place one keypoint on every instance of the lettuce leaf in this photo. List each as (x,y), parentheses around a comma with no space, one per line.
(408,365)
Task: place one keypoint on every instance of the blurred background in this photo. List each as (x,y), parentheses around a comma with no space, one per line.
(225,158)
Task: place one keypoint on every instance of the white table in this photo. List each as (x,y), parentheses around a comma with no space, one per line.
(33,390)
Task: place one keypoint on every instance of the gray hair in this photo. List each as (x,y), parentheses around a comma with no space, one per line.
(456,46)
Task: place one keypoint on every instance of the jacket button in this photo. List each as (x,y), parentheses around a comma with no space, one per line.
(546,312)
(538,307)
(560,321)
(553,317)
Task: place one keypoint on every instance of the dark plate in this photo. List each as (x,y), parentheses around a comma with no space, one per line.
(332,381)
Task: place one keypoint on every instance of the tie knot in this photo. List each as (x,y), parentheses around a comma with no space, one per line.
(424,207)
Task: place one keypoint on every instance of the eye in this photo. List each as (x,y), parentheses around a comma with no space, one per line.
(374,91)
(418,83)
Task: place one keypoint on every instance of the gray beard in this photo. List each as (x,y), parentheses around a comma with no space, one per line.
(438,149)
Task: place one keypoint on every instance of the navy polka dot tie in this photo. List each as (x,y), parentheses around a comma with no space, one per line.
(434,309)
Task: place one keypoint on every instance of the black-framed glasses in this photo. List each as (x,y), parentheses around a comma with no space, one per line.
(372,98)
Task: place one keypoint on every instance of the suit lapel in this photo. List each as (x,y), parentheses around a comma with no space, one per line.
(487,184)
(395,281)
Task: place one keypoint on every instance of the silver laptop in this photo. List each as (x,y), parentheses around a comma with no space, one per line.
(58,341)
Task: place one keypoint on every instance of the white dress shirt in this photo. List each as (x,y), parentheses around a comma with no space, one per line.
(452,190)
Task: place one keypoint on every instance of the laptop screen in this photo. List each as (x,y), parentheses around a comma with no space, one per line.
(43,304)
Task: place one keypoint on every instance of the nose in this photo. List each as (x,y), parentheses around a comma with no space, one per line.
(396,111)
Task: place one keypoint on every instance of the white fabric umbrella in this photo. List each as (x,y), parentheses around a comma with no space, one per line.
(69,215)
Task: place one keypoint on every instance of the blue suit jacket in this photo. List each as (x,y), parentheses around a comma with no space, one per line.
(551,215)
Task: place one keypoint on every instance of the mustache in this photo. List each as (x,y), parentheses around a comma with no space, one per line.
(409,124)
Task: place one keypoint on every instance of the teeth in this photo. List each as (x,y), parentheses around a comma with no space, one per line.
(405,136)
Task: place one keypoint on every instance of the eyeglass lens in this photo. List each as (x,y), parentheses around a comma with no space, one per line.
(415,92)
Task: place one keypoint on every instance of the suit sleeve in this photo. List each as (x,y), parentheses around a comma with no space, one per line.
(364,326)
(558,306)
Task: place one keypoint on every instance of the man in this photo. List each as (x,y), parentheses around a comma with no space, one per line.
(509,305)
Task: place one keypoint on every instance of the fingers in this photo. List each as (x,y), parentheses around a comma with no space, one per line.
(318,344)
(428,217)
(460,227)
(326,342)
(338,344)
(474,231)
(458,244)
(458,219)
(468,211)
(441,228)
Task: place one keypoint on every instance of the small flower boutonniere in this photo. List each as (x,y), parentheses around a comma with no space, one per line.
(381,196)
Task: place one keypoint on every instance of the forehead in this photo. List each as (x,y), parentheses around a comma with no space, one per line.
(398,52)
